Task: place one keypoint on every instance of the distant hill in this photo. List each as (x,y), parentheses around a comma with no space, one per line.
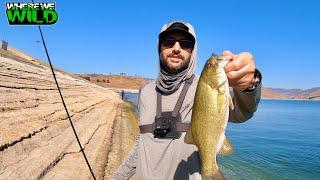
(115,81)
(271,94)
(279,93)
(286,91)
(134,82)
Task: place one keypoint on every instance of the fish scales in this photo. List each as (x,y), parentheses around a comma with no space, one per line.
(210,117)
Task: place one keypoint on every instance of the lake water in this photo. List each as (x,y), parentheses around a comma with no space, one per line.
(281,141)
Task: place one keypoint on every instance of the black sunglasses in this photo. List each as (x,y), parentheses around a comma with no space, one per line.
(170,42)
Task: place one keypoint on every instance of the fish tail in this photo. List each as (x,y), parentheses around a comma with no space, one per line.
(208,163)
(216,176)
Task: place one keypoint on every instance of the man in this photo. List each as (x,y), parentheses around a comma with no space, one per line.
(158,155)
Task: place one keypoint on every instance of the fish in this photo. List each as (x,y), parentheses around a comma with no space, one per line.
(210,116)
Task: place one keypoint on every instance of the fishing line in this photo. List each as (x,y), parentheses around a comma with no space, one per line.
(65,107)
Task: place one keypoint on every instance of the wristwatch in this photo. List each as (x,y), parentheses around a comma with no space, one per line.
(257,81)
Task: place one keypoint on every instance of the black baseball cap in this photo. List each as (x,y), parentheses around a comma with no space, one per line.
(177,27)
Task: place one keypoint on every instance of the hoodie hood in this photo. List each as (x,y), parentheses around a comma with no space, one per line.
(169,83)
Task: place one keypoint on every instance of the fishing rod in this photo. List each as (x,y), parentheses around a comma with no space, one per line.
(65,107)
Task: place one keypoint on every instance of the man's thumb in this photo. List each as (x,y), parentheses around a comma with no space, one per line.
(227,55)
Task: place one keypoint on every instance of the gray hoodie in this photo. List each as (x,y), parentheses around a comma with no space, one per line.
(164,159)
(169,83)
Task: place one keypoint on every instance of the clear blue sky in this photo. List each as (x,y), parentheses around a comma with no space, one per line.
(120,36)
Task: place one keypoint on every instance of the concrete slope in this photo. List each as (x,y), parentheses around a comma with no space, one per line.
(36,139)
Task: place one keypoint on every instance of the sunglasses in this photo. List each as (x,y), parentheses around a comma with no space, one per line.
(170,42)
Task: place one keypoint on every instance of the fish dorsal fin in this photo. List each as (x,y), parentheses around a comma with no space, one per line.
(188,137)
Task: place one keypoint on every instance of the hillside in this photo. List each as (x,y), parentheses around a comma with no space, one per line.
(36,140)
(268,93)
(115,81)
(132,82)
(279,93)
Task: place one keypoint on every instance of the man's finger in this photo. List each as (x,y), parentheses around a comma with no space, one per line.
(247,79)
(238,62)
(242,87)
(232,66)
(238,74)
(227,53)
(242,84)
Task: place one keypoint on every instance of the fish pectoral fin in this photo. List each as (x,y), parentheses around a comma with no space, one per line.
(188,138)
(221,88)
(226,148)
(231,102)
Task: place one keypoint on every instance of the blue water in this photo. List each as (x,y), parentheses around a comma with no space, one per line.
(281,141)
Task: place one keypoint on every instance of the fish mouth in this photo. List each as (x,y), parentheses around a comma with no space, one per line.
(222,62)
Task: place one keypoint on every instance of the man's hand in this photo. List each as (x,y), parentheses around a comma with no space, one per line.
(240,69)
